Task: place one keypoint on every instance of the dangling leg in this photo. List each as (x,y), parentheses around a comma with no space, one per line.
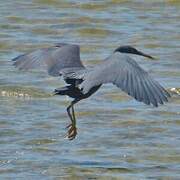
(72,131)
(73,113)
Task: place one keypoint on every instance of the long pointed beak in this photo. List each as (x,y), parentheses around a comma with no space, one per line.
(145,55)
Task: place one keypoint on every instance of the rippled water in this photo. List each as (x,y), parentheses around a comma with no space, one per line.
(118,137)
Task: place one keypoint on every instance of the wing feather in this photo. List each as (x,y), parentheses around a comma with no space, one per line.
(52,59)
(125,73)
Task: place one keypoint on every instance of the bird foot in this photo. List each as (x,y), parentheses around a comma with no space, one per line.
(72,132)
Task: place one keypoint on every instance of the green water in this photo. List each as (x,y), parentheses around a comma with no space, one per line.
(118,138)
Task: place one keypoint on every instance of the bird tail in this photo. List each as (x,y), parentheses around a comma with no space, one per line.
(61,91)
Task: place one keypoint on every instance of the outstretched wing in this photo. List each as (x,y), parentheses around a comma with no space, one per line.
(53,59)
(126,74)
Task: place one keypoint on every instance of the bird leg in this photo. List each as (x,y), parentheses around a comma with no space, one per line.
(73,113)
(72,130)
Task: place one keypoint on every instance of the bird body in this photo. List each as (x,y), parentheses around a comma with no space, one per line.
(119,69)
(74,92)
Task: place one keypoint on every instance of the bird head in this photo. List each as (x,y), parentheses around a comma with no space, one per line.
(131,50)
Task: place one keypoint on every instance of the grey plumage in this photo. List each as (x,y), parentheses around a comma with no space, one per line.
(125,73)
(118,69)
(53,59)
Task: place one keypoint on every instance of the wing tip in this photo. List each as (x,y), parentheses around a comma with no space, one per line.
(17,58)
(162,102)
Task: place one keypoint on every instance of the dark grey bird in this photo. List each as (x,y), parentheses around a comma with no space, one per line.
(119,69)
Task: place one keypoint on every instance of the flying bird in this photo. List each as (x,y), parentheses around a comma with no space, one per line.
(119,69)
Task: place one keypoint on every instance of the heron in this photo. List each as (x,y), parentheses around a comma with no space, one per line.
(119,68)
